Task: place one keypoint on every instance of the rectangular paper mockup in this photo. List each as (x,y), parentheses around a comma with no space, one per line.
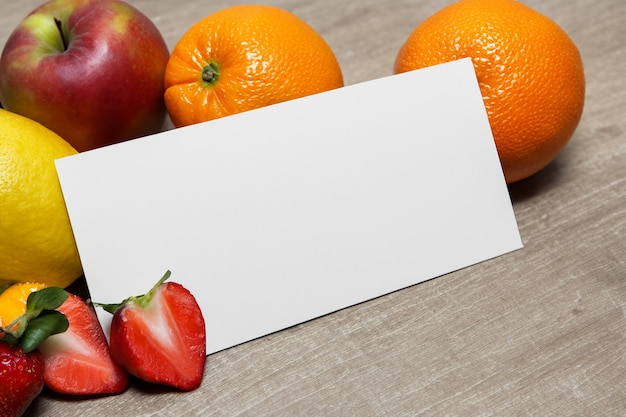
(286,213)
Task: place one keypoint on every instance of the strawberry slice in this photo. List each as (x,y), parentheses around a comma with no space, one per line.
(160,337)
(78,361)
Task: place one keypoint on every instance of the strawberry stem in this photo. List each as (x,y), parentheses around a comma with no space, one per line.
(140,300)
(154,289)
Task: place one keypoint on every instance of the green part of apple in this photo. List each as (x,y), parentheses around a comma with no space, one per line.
(45,29)
(121,20)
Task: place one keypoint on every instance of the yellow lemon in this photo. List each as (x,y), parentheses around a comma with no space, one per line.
(36,240)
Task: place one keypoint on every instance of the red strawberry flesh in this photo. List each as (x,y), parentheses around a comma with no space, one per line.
(78,361)
(161,339)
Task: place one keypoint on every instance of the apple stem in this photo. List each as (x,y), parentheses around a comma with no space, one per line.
(59,24)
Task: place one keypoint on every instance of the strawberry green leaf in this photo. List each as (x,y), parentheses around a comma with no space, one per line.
(109,308)
(40,320)
(49,298)
(49,322)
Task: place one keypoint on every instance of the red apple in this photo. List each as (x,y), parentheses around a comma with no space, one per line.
(90,70)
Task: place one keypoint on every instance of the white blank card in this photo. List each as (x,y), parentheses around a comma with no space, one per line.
(280,215)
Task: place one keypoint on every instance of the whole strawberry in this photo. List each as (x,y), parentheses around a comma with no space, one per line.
(21,379)
(160,337)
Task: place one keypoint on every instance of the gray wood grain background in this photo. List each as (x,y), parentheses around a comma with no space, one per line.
(538,332)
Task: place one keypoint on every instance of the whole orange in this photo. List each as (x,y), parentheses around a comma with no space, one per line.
(529,71)
(244,57)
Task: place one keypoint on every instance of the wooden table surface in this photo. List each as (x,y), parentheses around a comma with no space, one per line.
(537,332)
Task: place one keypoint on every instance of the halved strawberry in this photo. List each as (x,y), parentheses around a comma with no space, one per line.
(78,361)
(160,337)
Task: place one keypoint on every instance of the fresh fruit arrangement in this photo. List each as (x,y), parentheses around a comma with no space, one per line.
(109,77)
(52,338)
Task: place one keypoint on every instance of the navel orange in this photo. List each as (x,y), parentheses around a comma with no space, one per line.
(244,57)
(529,70)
